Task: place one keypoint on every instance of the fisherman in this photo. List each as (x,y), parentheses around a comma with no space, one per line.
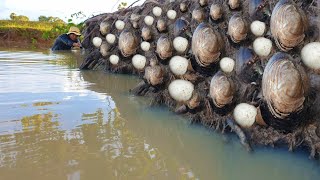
(68,40)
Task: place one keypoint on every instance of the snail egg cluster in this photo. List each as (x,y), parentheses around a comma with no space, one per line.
(245,114)
(178,65)
(96,41)
(227,64)
(114,59)
(181,90)
(139,61)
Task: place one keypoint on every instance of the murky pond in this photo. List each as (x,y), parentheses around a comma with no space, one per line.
(57,122)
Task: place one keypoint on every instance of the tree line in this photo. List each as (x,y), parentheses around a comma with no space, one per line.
(15,17)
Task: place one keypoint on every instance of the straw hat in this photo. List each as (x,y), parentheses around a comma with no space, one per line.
(74,30)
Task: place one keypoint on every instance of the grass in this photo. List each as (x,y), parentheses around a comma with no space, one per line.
(42,26)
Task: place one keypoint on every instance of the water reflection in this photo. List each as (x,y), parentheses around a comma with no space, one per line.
(59,123)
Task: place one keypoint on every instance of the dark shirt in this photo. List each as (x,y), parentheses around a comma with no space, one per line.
(63,42)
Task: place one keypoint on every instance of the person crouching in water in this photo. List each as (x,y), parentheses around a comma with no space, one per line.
(68,40)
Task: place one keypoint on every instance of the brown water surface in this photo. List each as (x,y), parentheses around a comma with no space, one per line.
(57,122)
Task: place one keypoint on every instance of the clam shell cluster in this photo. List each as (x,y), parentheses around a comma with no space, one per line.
(240,56)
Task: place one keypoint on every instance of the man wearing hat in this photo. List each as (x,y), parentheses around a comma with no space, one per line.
(67,41)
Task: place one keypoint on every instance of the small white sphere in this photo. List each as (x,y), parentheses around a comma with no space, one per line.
(181,90)
(157,11)
(139,61)
(96,41)
(310,55)
(245,114)
(145,46)
(178,65)
(258,28)
(227,64)
(111,38)
(180,44)
(119,24)
(114,59)
(262,46)
(148,20)
(172,14)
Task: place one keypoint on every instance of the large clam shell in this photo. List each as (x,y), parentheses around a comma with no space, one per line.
(128,43)
(164,47)
(207,44)
(288,24)
(222,90)
(237,28)
(284,86)
(244,65)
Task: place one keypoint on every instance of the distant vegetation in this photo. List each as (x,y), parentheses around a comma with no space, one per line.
(47,28)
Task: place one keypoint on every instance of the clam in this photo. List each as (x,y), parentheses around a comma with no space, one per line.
(104,48)
(244,65)
(104,27)
(198,14)
(161,25)
(154,73)
(288,25)
(203,3)
(164,47)
(180,27)
(128,43)
(234,4)
(237,28)
(216,11)
(183,7)
(146,33)
(222,90)
(284,86)
(207,44)
(195,101)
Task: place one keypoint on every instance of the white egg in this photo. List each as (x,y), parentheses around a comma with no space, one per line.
(96,41)
(119,24)
(172,14)
(157,11)
(180,44)
(310,55)
(139,61)
(145,46)
(114,59)
(148,20)
(181,90)
(258,28)
(178,65)
(111,38)
(245,114)
(227,64)
(262,46)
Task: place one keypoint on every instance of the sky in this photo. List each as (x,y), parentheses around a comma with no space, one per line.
(59,8)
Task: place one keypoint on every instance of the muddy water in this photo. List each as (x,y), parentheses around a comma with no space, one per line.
(57,122)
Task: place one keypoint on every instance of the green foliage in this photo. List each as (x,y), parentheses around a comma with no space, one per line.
(122,5)
(15,17)
(50,19)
